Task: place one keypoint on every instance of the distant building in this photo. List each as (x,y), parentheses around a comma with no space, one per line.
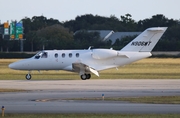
(107,35)
(104,34)
(120,35)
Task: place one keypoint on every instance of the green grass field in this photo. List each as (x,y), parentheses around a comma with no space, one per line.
(146,99)
(151,68)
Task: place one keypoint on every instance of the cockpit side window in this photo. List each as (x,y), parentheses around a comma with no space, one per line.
(44,55)
(41,54)
(38,55)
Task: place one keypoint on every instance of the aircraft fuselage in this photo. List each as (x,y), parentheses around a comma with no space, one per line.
(63,59)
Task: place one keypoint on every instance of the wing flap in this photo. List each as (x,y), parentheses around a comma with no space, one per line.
(83,68)
(94,71)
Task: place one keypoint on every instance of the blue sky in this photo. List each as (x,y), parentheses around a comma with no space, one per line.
(65,10)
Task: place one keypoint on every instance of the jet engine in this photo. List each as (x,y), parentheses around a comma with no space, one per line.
(103,53)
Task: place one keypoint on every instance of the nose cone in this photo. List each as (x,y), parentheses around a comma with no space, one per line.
(19,65)
(12,66)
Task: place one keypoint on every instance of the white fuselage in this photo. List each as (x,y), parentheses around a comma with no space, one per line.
(63,59)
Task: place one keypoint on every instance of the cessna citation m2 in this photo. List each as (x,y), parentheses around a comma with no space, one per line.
(90,61)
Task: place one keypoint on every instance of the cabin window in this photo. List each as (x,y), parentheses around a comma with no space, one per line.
(77,54)
(63,55)
(70,55)
(56,55)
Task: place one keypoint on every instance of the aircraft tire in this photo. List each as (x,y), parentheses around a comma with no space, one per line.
(83,77)
(88,76)
(28,76)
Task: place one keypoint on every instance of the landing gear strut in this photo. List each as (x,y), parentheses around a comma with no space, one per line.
(85,76)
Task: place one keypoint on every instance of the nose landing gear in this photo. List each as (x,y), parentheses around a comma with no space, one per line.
(28,76)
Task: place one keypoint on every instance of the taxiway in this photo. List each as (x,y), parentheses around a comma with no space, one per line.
(56,96)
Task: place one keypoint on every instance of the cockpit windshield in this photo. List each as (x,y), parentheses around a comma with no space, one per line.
(41,54)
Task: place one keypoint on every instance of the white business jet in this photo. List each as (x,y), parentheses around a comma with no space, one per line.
(90,61)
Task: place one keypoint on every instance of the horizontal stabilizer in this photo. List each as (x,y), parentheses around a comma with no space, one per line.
(156,29)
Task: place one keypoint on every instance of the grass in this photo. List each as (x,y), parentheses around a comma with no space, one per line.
(154,99)
(11,90)
(149,100)
(92,115)
(151,68)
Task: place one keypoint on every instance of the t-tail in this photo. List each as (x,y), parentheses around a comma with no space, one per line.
(146,41)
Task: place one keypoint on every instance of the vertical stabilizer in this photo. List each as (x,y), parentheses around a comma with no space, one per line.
(146,41)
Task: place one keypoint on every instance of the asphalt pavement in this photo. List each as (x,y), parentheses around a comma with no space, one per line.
(57,96)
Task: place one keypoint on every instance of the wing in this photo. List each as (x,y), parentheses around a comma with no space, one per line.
(83,68)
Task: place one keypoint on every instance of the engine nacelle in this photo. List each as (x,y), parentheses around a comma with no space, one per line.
(104,53)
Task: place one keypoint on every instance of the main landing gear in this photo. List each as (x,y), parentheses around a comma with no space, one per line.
(85,76)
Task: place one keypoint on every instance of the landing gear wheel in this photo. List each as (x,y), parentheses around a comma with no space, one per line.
(83,77)
(88,76)
(28,76)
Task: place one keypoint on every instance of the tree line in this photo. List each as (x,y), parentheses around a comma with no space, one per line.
(42,33)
